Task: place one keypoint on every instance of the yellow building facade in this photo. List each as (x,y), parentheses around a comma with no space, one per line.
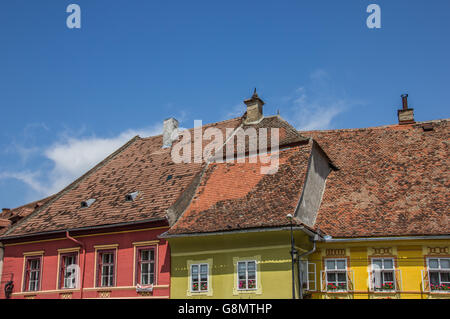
(228,260)
(411,265)
(370,269)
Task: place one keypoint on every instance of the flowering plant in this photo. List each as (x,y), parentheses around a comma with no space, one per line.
(440,287)
(252,284)
(242,284)
(340,286)
(195,286)
(388,286)
(204,286)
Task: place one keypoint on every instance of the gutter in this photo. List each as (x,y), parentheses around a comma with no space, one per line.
(364,239)
(84,260)
(250,230)
(86,228)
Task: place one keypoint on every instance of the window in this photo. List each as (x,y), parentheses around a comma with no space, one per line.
(246,275)
(439,273)
(145,266)
(199,278)
(336,274)
(68,272)
(106,267)
(383,274)
(32,273)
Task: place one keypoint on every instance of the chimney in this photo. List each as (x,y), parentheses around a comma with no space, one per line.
(254,108)
(405,115)
(170,132)
(5,211)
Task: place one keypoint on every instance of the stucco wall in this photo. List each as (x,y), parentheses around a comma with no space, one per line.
(409,259)
(271,249)
(14,264)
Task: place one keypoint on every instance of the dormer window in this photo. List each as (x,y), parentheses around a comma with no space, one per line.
(87,203)
(131,196)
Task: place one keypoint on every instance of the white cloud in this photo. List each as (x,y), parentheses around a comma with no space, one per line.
(72,157)
(316,105)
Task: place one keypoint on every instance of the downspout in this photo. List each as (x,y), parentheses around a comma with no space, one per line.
(300,281)
(84,260)
(2,250)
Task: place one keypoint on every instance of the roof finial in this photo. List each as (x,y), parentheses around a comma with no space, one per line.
(254,93)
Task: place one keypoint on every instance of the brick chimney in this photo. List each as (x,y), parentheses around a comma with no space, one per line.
(254,108)
(170,131)
(405,115)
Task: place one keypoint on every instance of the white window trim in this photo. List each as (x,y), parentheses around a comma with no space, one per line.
(394,279)
(345,271)
(436,270)
(209,291)
(36,254)
(199,277)
(259,289)
(246,274)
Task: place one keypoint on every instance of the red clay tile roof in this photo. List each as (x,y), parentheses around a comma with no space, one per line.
(393,181)
(8,218)
(234,196)
(140,165)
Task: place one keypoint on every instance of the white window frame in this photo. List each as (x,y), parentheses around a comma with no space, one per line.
(345,271)
(68,279)
(199,277)
(246,275)
(438,270)
(382,271)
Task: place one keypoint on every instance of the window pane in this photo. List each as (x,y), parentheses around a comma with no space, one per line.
(251,274)
(241,266)
(388,276)
(434,278)
(145,255)
(341,276)
(331,264)
(341,264)
(204,269)
(388,264)
(445,263)
(377,264)
(194,269)
(144,279)
(331,277)
(433,263)
(445,277)
(251,265)
(34,264)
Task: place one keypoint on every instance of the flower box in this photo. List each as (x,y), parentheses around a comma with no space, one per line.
(442,287)
(340,286)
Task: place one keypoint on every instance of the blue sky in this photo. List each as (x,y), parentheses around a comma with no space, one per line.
(68,97)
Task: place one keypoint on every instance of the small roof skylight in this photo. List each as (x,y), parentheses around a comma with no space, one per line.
(88,202)
(131,196)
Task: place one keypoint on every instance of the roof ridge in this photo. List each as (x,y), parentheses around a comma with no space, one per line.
(73,184)
(33,202)
(191,128)
(373,127)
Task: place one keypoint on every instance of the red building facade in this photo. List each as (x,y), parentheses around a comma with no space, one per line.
(97,263)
